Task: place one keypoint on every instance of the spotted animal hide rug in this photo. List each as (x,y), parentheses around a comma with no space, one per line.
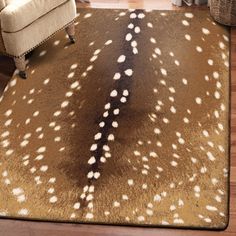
(128,126)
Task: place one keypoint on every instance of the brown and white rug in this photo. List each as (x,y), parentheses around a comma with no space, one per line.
(128,126)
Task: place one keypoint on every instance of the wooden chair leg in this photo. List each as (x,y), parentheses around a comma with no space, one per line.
(21,66)
(70,30)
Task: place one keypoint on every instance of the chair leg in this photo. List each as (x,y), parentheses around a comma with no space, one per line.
(70,30)
(21,66)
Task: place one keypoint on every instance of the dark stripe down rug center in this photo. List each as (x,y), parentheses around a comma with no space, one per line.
(128,126)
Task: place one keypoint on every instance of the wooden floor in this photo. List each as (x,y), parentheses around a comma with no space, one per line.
(23,228)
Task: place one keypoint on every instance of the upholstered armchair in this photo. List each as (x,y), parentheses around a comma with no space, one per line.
(25,24)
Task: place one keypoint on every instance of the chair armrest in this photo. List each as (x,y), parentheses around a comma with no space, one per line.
(19,14)
(2,5)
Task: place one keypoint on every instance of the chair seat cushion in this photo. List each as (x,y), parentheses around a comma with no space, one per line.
(19,14)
